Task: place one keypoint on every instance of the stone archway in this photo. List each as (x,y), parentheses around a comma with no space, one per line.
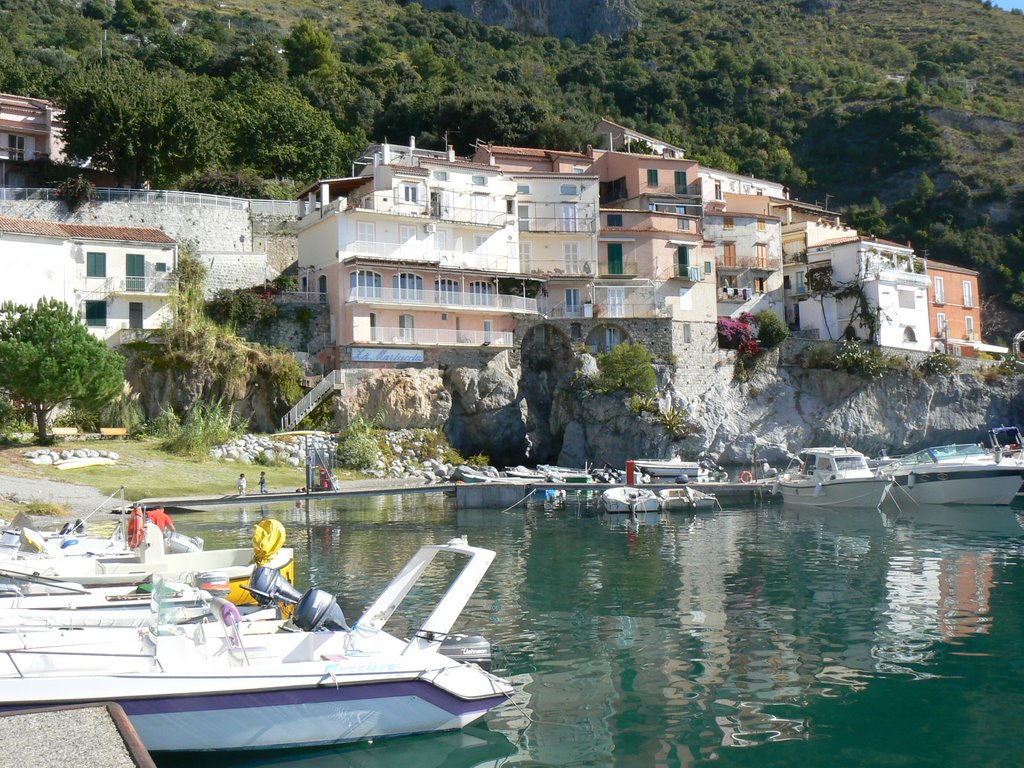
(604,337)
(548,364)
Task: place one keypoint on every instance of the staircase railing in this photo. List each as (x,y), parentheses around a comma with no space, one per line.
(312,399)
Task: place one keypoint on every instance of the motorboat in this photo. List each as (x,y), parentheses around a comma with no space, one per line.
(556,474)
(629,499)
(149,557)
(702,470)
(832,477)
(235,685)
(687,497)
(955,474)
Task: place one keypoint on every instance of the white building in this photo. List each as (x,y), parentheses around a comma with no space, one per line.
(895,293)
(30,129)
(117,278)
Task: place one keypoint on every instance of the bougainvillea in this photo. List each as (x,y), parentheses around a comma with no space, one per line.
(733,332)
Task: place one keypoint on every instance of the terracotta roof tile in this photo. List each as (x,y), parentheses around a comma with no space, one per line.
(85,231)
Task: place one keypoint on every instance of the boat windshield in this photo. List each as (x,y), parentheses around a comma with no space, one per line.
(846,463)
(945,453)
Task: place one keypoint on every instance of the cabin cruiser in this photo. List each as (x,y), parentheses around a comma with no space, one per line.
(832,477)
(956,474)
(235,685)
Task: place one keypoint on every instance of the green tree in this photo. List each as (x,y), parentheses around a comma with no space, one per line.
(626,367)
(309,48)
(50,359)
(141,126)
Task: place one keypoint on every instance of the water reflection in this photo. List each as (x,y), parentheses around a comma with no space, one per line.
(682,639)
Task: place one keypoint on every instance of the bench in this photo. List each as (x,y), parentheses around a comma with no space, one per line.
(65,431)
(106,432)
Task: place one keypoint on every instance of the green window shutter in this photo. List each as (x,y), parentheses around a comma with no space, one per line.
(680,182)
(614,258)
(96,314)
(95,265)
(652,177)
(683,257)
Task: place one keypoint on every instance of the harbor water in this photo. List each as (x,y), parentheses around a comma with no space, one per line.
(746,637)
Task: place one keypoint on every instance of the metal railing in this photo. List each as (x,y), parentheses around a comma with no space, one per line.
(389,251)
(161,197)
(441,337)
(693,274)
(562,268)
(628,268)
(312,399)
(140,284)
(767,264)
(441,298)
(899,276)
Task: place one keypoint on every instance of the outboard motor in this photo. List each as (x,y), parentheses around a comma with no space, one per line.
(317,611)
(469,648)
(269,587)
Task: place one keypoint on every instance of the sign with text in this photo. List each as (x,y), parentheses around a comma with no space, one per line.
(363,355)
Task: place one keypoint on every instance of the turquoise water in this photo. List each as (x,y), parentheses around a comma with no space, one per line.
(747,637)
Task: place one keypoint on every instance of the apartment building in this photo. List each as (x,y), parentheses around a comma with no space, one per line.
(888,276)
(414,253)
(119,279)
(30,129)
(954,307)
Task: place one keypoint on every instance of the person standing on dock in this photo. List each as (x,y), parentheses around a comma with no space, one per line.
(241,484)
(263,482)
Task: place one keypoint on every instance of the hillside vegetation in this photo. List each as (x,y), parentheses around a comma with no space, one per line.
(906,114)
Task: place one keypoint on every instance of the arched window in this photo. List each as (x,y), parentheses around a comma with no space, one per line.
(481,293)
(447,291)
(364,284)
(909,337)
(322,287)
(407,287)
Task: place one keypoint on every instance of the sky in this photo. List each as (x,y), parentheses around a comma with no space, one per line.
(1009,5)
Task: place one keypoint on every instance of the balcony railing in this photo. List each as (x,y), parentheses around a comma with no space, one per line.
(899,276)
(765,264)
(552,268)
(554,217)
(160,197)
(442,299)
(693,274)
(434,337)
(606,310)
(628,268)
(138,284)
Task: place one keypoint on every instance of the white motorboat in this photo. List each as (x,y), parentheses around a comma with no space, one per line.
(687,497)
(955,474)
(151,557)
(671,469)
(832,477)
(628,499)
(203,687)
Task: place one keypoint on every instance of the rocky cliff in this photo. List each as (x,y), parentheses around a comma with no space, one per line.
(576,19)
(541,411)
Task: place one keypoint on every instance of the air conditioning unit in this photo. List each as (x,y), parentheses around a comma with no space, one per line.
(430,228)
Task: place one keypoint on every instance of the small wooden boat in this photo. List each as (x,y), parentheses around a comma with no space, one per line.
(687,497)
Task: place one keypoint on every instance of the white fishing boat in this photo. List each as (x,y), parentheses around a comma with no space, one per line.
(832,477)
(955,474)
(687,497)
(149,556)
(256,685)
(628,499)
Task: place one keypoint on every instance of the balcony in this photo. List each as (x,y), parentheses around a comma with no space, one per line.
(690,274)
(898,276)
(564,268)
(740,263)
(145,285)
(606,310)
(463,300)
(494,261)
(433,337)
(558,218)
(622,269)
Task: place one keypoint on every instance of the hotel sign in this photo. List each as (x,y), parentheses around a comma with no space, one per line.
(364,355)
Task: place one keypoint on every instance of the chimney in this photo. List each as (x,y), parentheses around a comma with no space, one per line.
(451,154)
(412,145)
(387,154)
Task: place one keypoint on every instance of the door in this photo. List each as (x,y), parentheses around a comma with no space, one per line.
(135,314)
(135,272)
(616,302)
(614,258)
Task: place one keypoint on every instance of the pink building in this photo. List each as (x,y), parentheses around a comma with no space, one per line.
(30,129)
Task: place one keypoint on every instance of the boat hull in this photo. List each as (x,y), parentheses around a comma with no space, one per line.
(852,493)
(956,485)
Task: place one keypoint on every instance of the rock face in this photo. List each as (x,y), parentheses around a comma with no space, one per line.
(402,399)
(577,19)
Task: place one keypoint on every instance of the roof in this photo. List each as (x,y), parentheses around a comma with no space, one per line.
(943,267)
(531,152)
(860,239)
(44,228)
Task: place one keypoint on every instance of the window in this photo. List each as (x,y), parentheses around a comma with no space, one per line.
(909,337)
(652,177)
(569,189)
(410,193)
(405,234)
(16,147)
(615,306)
(322,287)
(571,256)
(575,332)
(614,258)
(441,175)
(96,314)
(729,254)
(524,218)
(406,328)
(160,266)
(479,181)
(135,272)
(728,222)
(680,182)
(801,285)
(365,234)
(481,293)
(761,255)
(683,224)
(907,300)
(572,301)
(707,267)
(969,326)
(687,334)
(567,218)
(760,285)
(523,189)
(525,256)
(510,205)
(682,260)
(479,241)
(614,219)
(761,226)
(968,294)
(407,286)
(940,291)
(447,291)
(135,315)
(718,191)
(95,265)
(363,284)
(941,328)
(488,331)
(374,330)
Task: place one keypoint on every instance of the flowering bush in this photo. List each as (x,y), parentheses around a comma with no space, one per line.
(732,333)
(76,192)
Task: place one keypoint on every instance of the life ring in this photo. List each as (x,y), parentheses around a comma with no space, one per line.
(746,477)
(136,528)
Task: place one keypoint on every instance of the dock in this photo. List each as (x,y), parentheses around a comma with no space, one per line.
(500,493)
